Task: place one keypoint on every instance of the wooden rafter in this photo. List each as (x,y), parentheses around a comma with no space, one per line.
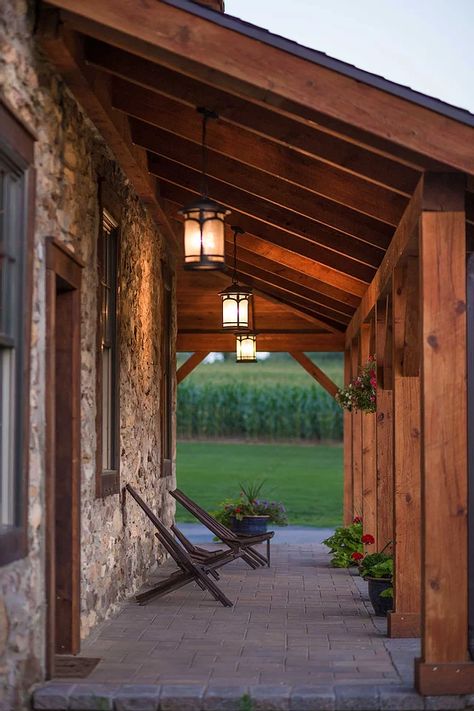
(255,151)
(309,140)
(344,221)
(349,269)
(264,73)
(65,51)
(315,372)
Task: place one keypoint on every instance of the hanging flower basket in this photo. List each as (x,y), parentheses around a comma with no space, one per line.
(361,393)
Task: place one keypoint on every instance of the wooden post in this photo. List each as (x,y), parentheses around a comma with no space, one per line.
(384,428)
(348,494)
(369,466)
(444,667)
(356,440)
(188,366)
(404,621)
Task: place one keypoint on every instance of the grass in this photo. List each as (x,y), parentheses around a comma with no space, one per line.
(306,478)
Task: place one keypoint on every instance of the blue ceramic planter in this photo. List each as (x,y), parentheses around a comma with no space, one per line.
(250,525)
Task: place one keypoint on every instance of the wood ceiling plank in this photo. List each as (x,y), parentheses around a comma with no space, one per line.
(189,42)
(309,140)
(259,184)
(284,238)
(322,178)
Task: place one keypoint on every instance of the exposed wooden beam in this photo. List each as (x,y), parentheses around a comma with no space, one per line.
(257,151)
(65,52)
(272,342)
(337,264)
(369,459)
(188,366)
(268,73)
(345,221)
(315,372)
(400,244)
(309,140)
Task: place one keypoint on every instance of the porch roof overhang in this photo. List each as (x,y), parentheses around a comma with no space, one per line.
(318,161)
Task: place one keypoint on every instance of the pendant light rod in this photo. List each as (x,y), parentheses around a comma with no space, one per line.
(206,115)
(237,231)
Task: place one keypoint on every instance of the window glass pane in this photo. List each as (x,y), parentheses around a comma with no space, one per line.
(107,434)
(7,419)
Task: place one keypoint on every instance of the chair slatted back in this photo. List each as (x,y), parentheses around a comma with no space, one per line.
(217,528)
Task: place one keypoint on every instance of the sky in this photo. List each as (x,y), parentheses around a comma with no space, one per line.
(427,45)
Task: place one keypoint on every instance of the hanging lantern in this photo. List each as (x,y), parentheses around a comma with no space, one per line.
(236,298)
(204,220)
(246,347)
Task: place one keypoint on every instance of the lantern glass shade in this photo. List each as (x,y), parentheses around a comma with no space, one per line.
(246,348)
(235,306)
(204,235)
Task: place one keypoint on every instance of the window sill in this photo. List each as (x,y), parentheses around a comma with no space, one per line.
(12,544)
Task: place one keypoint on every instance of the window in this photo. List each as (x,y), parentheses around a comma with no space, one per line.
(108,395)
(166,375)
(16,189)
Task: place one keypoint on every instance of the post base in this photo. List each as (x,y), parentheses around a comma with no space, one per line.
(445,678)
(404,624)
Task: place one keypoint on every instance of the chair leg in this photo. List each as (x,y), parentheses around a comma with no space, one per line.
(174,582)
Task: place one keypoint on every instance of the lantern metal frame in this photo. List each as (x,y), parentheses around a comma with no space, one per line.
(239,337)
(207,211)
(236,292)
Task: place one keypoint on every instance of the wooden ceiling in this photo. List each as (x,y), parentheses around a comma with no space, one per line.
(316,166)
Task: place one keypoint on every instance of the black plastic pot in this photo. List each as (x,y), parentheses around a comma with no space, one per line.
(250,525)
(381,605)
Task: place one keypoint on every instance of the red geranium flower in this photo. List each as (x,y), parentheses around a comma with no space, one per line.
(357,519)
(368,539)
(357,556)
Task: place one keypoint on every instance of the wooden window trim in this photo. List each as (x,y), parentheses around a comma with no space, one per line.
(17,143)
(108,480)
(166,373)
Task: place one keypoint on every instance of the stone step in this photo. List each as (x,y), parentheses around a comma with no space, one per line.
(81,696)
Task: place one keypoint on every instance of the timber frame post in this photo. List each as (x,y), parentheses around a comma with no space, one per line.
(444,666)
(347,418)
(369,467)
(404,621)
(356,440)
(384,425)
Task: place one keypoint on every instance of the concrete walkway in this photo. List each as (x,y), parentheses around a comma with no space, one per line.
(300,636)
(197,533)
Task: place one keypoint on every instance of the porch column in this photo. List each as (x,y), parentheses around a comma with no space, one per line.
(404,621)
(356,440)
(384,424)
(348,500)
(369,466)
(444,666)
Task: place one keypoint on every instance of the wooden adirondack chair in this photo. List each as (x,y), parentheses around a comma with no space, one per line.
(190,569)
(241,544)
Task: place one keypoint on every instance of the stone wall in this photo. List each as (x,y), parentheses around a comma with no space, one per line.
(116,553)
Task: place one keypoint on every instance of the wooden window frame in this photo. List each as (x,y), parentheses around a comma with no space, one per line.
(166,394)
(108,480)
(17,147)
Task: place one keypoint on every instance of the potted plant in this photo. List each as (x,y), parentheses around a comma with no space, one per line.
(345,545)
(361,393)
(249,513)
(377,569)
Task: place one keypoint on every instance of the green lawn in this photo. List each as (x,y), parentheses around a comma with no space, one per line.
(307,479)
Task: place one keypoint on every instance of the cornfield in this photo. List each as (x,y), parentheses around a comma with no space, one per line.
(271,411)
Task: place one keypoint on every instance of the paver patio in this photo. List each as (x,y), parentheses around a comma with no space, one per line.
(297,628)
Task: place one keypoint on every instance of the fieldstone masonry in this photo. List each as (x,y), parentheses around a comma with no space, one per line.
(70,160)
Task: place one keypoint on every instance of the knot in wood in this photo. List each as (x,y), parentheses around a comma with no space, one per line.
(433,342)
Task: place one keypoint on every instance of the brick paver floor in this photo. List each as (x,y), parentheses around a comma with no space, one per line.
(298,622)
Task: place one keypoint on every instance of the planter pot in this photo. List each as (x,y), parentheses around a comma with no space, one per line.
(250,525)
(381,605)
